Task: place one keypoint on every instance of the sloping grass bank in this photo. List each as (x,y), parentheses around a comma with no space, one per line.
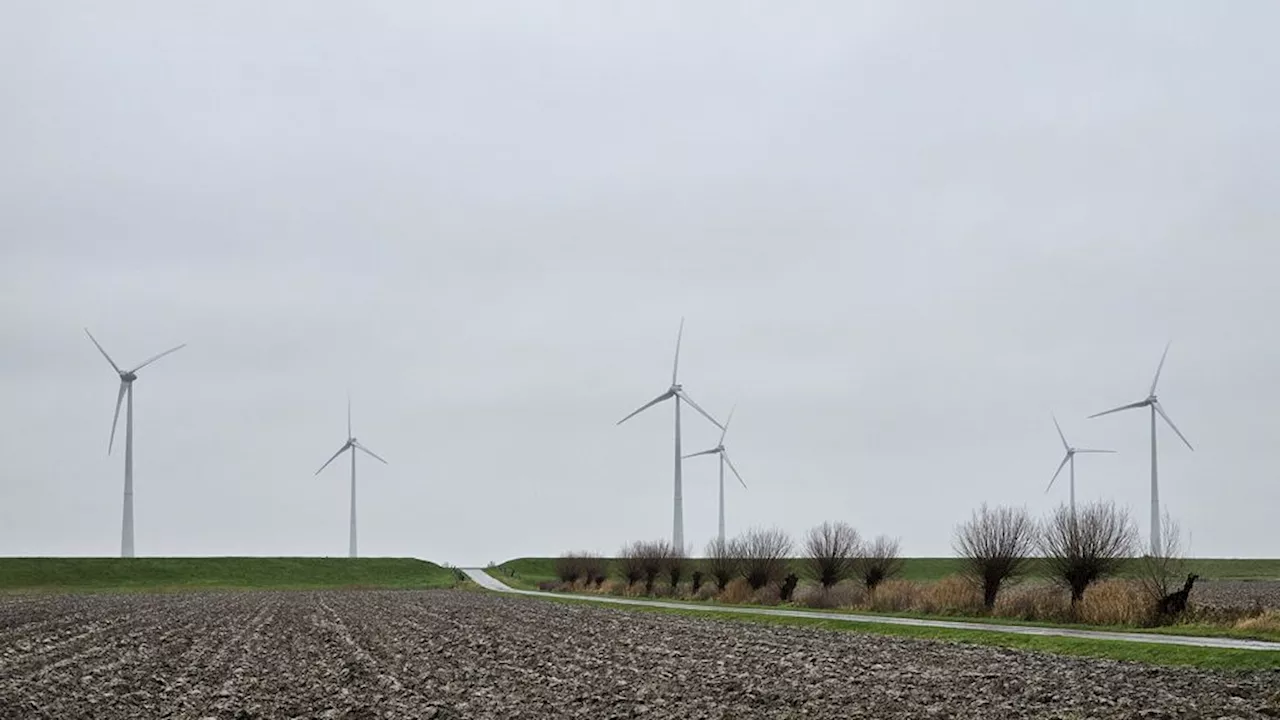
(528,572)
(60,574)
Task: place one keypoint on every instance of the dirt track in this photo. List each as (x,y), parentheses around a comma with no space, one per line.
(455,654)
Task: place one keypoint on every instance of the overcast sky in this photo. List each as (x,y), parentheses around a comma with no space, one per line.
(902,235)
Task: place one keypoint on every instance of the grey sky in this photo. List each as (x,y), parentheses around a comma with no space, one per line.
(902,234)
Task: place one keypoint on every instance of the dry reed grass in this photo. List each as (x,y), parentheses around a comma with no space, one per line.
(1115,602)
(952,595)
(1268,621)
(738,591)
(1034,602)
(894,596)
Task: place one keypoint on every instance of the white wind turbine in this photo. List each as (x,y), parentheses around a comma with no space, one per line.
(1071,459)
(351,444)
(724,459)
(1153,403)
(126,389)
(676,392)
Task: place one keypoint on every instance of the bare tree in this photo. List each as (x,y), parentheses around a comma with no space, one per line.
(594,568)
(829,551)
(1162,575)
(994,547)
(877,562)
(654,559)
(1097,544)
(568,567)
(722,562)
(763,553)
(675,569)
(629,563)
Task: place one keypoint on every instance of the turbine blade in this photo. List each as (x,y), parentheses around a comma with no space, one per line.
(124,386)
(114,366)
(725,430)
(1066,458)
(335,457)
(1080,450)
(697,407)
(371,453)
(712,451)
(664,396)
(1159,368)
(1065,446)
(1130,406)
(157,357)
(1165,415)
(348,414)
(729,462)
(675,368)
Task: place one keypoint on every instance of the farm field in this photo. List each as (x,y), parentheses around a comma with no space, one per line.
(441,654)
(95,574)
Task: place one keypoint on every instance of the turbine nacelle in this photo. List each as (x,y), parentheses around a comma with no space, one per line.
(128,376)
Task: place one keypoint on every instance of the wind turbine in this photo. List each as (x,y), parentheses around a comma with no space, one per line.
(1071,459)
(676,392)
(351,444)
(1153,403)
(724,458)
(126,388)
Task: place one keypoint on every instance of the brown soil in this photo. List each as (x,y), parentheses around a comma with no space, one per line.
(451,654)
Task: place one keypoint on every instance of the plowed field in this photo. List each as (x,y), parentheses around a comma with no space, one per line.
(450,654)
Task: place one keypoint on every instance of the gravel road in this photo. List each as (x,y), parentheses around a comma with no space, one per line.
(452,654)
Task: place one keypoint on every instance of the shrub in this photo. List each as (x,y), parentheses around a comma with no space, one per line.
(877,562)
(706,592)
(736,592)
(553,586)
(630,565)
(1268,622)
(1115,602)
(953,594)
(1089,547)
(829,550)
(763,555)
(894,596)
(994,546)
(722,562)
(675,568)
(644,561)
(569,567)
(595,569)
(847,594)
(1034,602)
(612,587)
(767,595)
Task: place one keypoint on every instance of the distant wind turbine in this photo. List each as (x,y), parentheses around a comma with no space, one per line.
(724,459)
(351,444)
(126,389)
(1070,458)
(1153,403)
(676,392)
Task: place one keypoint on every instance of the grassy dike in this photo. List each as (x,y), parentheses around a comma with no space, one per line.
(65,574)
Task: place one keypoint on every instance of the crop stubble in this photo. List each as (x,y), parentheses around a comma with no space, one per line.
(379,654)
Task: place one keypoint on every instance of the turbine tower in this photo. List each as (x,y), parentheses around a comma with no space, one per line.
(724,459)
(351,444)
(126,388)
(676,392)
(1070,458)
(1152,402)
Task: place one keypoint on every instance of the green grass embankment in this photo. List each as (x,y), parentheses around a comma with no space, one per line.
(63,574)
